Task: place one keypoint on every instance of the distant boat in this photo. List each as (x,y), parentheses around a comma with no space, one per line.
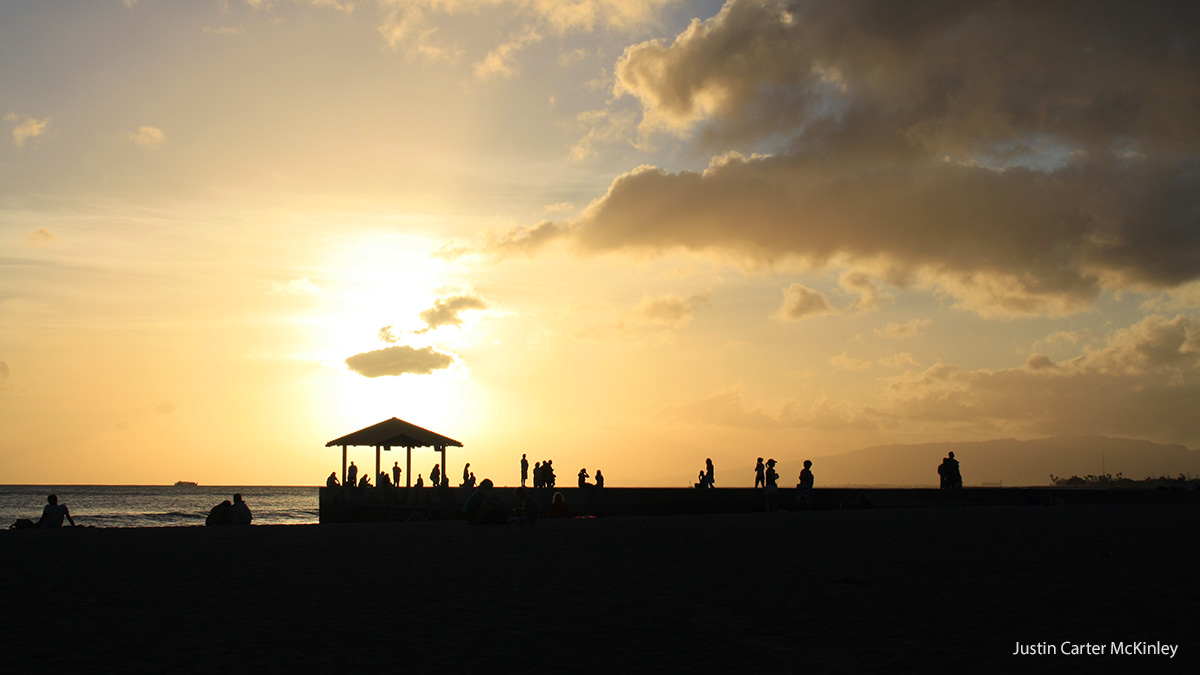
(185,483)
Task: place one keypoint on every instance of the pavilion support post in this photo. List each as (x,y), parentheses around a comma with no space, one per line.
(343,465)
(377,449)
(408,469)
(445,466)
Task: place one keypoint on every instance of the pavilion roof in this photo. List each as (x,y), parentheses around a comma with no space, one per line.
(395,433)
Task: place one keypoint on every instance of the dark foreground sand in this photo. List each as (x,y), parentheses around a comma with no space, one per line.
(900,590)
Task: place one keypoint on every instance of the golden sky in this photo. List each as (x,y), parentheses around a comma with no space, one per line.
(622,234)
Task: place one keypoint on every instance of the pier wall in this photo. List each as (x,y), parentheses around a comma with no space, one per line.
(348,505)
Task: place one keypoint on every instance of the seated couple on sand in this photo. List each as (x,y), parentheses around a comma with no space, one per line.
(225,513)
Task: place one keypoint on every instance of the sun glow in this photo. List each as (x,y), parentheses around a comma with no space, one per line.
(375,290)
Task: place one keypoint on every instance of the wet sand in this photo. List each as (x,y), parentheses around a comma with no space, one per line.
(885,590)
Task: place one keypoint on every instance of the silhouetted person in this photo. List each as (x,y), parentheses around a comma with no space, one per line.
(219,515)
(351,475)
(759,474)
(599,479)
(708,473)
(558,508)
(332,481)
(948,473)
(583,476)
(527,511)
(396,471)
(537,474)
(435,476)
(53,514)
(548,473)
(771,488)
(471,480)
(365,482)
(420,481)
(481,508)
(239,513)
(466,473)
(524,469)
(700,483)
(804,491)
(384,481)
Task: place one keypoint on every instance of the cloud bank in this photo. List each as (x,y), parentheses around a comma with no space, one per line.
(1020,159)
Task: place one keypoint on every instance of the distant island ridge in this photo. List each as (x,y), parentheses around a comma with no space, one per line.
(1007,462)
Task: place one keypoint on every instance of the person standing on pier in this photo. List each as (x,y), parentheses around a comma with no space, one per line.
(435,476)
(524,469)
(759,476)
(396,473)
(352,475)
(771,488)
(804,491)
(708,473)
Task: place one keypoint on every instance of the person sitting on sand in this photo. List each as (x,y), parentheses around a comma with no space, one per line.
(700,483)
(771,488)
(599,479)
(53,514)
(382,480)
(420,481)
(481,508)
(583,476)
(759,474)
(219,515)
(527,510)
(558,508)
(332,481)
(351,475)
(364,482)
(804,490)
(239,513)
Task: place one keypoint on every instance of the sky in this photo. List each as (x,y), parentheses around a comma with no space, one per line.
(620,234)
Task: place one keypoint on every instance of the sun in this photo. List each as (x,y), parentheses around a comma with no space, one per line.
(378,281)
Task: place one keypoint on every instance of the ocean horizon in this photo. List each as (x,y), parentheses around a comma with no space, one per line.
(160,505)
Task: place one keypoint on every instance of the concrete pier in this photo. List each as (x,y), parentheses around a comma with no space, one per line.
(350,505)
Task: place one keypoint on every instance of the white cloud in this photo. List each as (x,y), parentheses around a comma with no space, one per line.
(500,63)
(300,286)
(41,237)
(24,129)
(147,137)
(802,302)
(903,331)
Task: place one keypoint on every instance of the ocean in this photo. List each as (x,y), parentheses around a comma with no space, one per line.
(157,505)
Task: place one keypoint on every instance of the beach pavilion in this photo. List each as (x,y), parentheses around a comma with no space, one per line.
(395,433)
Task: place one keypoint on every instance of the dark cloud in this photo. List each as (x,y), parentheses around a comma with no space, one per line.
(399,360)
(1019,157)
(445,311)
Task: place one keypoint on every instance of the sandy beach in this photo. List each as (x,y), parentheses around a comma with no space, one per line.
(885,590)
